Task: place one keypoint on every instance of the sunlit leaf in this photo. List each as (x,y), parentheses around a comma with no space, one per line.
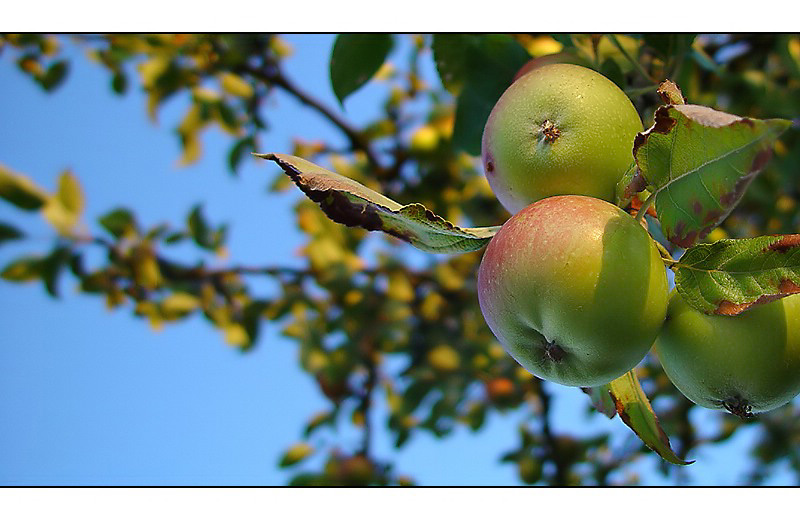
(347,202)
(731,275)
(670,93)
(70,194)
(179,304)
(699,162)
(634,409)
(235,85)
(236,335)
(296,453)
(355,59)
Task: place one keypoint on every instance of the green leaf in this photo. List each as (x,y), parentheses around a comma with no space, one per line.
(669,45)
(203,235)
(698,162)
(8,232)
(54,75)
(450,56)
(480,68)
(23,269)
(347,202)
(472,111)
(21,191)
(51,268)
(119,83)
(731,275)
(238,150)
(355,59)
(119,222)
(634,409)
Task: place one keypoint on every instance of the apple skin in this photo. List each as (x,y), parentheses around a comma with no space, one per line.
(559,129)
(746,364)
(574,289)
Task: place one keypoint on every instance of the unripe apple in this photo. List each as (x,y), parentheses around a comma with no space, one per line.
(559,129)
(744,364)
(575,290)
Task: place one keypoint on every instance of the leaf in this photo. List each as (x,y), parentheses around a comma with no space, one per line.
(669,45)
(54,75)
(731,275)
(698,162)
(238,150)
(69,193)
(296,453)
(203,235)
(634,409)
(235,85)
(8,232)
(179,304)
(23,269)
(450,56)
(479,68)
(670,93)
(52,266)
(601,400)
(119,222)
(119,82)
(355,59)
(21,191)
(347,202)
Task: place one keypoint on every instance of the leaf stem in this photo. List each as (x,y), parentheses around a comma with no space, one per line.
(635,63)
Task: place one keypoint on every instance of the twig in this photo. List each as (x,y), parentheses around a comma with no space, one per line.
(273,75)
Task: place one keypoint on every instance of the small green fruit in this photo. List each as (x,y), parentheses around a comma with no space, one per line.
(575,290)
(745,364)
(559,129)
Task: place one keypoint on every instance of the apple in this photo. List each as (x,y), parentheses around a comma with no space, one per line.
(745,364)
(574,289)
(559,129)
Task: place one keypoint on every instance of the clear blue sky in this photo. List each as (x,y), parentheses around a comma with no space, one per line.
(91,396)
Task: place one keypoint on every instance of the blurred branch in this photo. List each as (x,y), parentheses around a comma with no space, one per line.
(272,74)
(560,478)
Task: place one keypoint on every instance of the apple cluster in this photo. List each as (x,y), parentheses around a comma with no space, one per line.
(575,288)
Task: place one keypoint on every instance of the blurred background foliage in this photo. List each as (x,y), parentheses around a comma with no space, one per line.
(367,325)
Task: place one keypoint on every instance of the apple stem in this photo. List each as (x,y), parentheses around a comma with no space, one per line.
(645,206)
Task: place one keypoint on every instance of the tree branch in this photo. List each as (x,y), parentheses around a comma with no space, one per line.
(272,75)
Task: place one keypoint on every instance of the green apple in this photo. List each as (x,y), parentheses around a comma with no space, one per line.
(574,289)
(746,363)
(560,129)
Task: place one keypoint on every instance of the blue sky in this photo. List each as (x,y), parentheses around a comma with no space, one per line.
(92,396)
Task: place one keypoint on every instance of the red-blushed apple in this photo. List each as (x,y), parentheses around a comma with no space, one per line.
(574,289)
(745,364)
(559,129)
